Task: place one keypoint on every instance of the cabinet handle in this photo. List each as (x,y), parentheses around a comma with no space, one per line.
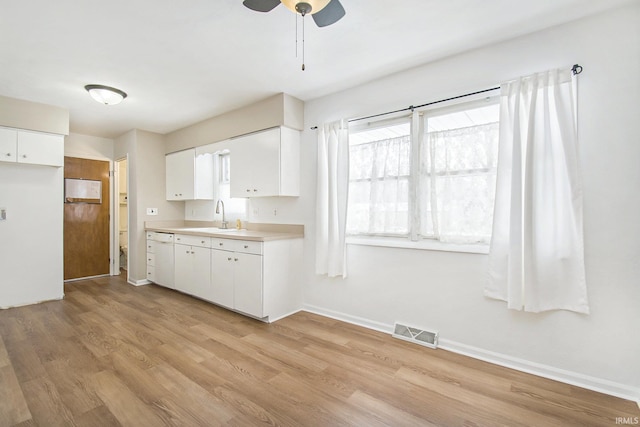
(246,246)
(235,259)
(192,252)
(24,156)
(8,154)
(248,191)
(201,241)
(254,190)
(228,259)
(221,244)
(187,252)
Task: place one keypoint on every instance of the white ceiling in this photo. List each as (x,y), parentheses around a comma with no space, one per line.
(184,61)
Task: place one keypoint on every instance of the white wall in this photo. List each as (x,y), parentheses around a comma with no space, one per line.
(146,179)
(88,147)
(31,248)
(31,238)
(443,290)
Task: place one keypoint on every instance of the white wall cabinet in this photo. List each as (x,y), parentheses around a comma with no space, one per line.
(266,163)
(31,147)
(193,265)
(189,176)
(160,258)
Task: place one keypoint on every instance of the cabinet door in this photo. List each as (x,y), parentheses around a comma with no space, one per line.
(183,268)
(255,164)
(200,285)
(164,264)
(8,145)
(248,284)
(222,277)
(266,166)
(180,168)
(40,149)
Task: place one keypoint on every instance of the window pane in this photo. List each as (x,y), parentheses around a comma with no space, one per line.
(457,185)
(379,167)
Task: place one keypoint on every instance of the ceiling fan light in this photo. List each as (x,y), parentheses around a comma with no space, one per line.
(316,5)
(105,94)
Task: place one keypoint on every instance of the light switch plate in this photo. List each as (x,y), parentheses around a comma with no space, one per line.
(152,211)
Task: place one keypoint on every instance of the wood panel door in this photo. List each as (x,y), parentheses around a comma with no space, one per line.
(86,225)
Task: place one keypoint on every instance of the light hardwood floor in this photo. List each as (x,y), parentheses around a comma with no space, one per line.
(113,354)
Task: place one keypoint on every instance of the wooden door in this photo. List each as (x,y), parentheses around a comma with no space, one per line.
(86,225)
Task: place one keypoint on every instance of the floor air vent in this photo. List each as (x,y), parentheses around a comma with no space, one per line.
(415,335)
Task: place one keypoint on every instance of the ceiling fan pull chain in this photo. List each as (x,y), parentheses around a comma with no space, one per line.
(303,42)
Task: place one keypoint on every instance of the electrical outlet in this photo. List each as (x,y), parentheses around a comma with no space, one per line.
(152,211)
(256,211)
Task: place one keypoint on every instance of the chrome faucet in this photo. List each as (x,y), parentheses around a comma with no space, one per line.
(224,222)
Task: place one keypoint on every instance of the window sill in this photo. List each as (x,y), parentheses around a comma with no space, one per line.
(427,245)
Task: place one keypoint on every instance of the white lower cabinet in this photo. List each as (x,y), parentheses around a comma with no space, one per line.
(236,275)
(193,265)
(259,279)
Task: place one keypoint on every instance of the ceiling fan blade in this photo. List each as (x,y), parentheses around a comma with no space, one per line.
(261,5)
(331,14)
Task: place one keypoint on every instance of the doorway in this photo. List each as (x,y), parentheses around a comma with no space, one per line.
(121,219)
(86,218)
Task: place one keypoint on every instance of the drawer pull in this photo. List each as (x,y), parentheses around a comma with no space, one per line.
(246,246)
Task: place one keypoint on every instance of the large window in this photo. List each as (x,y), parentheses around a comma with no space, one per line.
(428,176)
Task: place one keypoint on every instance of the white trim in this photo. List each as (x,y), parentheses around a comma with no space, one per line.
(423,244)
(87,278)
(355,320)
(139,282)
(23,304)
(275,319)
(599,385)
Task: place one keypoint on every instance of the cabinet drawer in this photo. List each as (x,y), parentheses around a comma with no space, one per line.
(151,259)
(200,241)
(151,273)
(248,247)
(224,244)
(162,237)
(243,246)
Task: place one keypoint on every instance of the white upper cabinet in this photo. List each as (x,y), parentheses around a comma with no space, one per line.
(189,177)
(8,145)
(31,147)
(266,163)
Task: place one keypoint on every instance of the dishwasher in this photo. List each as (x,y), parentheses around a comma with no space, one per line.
(160,259)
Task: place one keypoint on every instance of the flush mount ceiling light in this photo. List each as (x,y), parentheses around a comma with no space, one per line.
(105,94)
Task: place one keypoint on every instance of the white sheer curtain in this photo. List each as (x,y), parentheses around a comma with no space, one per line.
(331,198)
(379,187)
(536,260)
(458,175)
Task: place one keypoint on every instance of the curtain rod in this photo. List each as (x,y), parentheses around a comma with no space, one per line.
(576,69)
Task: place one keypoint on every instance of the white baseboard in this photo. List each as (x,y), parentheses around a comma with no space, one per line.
(138,282)
(600,385)
(360,321)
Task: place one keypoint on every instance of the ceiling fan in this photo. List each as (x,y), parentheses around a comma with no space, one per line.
(323,12)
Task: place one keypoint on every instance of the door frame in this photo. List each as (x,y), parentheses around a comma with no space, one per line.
(115,218)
